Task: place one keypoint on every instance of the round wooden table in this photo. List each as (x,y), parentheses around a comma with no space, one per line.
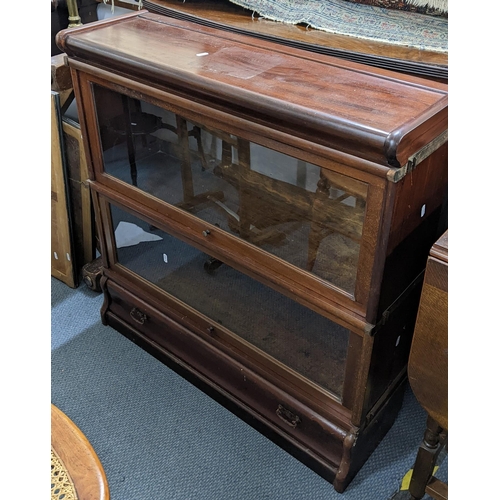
(76,470)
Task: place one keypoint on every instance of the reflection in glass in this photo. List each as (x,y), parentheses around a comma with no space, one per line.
(294,335)
(307,215)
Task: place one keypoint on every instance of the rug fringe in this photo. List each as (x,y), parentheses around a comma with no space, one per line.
(432,4)
(357,20)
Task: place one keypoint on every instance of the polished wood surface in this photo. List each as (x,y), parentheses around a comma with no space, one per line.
(264,129)
(61,248)
(437,489)
(229,16)
(428,371)
(422,480)
(393,117)
(71,197)
(186,130)
(78,457)
(428,362)
(80,207)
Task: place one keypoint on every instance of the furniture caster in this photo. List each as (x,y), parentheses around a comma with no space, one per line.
(211,265)
(92,273)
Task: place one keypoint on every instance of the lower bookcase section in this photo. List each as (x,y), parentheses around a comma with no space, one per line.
(240,308)
(326,441)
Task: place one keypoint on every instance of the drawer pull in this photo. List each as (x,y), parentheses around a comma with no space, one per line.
(287,416)
(138,316)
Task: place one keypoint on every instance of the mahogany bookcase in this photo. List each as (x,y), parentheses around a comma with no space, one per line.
(289,201)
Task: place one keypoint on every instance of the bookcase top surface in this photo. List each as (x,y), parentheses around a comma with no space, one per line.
(380,115)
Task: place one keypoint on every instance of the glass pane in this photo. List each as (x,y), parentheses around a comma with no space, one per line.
(296,336)
(302,213)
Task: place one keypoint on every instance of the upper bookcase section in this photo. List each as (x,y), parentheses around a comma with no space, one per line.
(371,113)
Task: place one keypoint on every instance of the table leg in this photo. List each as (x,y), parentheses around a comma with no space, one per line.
(426,459)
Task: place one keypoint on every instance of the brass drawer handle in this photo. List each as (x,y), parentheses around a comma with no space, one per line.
(138,316)
(287,416)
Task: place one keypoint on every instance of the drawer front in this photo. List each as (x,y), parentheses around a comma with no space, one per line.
(274,407)
(285,215)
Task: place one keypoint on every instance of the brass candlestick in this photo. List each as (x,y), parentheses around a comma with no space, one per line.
(73,18)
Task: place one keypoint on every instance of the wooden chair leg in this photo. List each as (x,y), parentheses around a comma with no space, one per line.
(426,459)
(317,231)
(130,140)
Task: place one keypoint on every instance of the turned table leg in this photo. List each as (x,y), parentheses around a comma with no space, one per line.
(426,459)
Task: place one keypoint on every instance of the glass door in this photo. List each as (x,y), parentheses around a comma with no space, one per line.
(291,334)
(306,215)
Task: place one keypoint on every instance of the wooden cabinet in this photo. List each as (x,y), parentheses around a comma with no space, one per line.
(61,248)
(73,242)
(265,216)
(428,371)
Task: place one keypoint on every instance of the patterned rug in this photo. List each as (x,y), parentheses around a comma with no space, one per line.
(358,20)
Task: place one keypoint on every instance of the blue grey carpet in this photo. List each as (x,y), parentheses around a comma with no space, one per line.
(160,438)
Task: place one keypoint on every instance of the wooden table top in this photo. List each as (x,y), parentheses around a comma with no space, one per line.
(79,458)
(428,362)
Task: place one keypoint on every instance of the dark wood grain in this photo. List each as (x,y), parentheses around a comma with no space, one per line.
(384,111)
(428,370)
(437,489)
(428,362)
(264,153)
(80,206)
(231,17)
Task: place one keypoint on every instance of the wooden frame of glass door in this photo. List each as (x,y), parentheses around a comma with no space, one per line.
(315,292)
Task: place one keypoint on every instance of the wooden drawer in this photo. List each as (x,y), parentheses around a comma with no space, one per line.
(281,412)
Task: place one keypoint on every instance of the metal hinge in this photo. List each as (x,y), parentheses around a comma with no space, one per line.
(395,305)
